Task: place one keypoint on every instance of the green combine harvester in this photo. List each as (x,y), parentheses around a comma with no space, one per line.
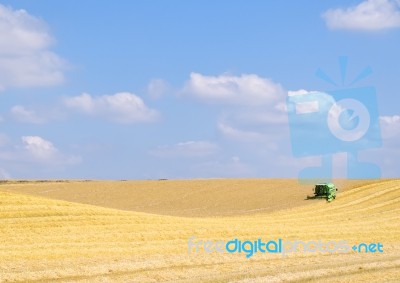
(324,190)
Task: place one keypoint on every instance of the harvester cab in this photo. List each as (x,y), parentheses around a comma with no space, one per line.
(324,190)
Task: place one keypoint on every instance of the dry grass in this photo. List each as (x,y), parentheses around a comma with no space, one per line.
(44,240)
(192,198)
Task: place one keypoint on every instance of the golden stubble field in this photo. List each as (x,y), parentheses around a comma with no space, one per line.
(138,231)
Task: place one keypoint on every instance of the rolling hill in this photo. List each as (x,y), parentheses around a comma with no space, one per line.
(44,239)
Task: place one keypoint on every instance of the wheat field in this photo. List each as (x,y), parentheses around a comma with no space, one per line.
(138,231)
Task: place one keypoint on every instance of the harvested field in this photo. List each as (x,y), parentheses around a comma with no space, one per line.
(47,240)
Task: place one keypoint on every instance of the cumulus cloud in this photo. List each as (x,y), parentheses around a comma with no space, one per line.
(186,149)
(301,92)
(282,107)
(303,102)
(122,107)
(369,15)
(251,104)
(37,149)
(21,114)
(34,153)
(247,89)
(25,58)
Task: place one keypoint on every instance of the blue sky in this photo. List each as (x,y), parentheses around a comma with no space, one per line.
(182,89)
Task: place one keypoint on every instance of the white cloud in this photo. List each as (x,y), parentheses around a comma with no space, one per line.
(32,156)
(252,104)
(390,119)
(122,107)
(186,149)
(310,101)
(369,15)
(282,107)
(39,148)
(247,89)
(84,103)
(36,149)
(21,114)
(25,58)
(300,92)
